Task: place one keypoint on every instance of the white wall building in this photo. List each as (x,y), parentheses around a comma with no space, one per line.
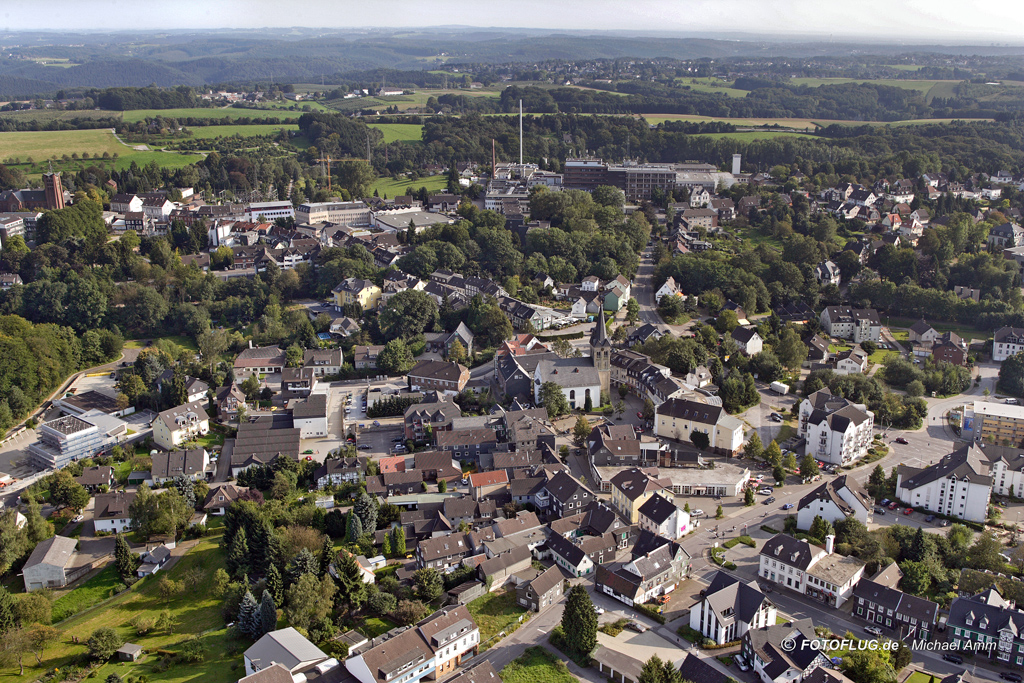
(809,569)
(835,500)
(728,608)
(959,485)
(664,518)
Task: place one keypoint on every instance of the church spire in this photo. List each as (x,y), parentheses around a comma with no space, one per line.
(599,337)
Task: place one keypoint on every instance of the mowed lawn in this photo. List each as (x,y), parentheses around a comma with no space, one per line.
(393,188)
(196,611)
(43,144)
(494,613)
(399,132)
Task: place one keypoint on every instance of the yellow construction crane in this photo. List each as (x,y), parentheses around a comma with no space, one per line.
(328,160)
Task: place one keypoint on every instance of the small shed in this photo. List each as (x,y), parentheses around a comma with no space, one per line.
(129,652)
(137,478)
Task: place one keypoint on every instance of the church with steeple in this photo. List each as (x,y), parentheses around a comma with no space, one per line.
(582,379)
(601,353)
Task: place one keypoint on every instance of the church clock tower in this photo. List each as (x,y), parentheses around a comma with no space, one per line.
(601,354)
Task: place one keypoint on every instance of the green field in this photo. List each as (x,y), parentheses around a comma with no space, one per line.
(196,611)
(47,115)
(393,188)
(712,85)
(209,113)
(44,144)
(797,124)
(400,132)
(209,132)
(751,135)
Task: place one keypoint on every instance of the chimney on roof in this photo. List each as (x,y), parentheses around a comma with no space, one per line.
(830,543)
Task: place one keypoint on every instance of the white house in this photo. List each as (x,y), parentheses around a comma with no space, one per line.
(669,288)
(780,653)
(728,608)
(178,425)
(959,485)
(827,273)
(748,340)
(286,647)
(835,500)
(1006,342)
(854,361)
(111,511)
(662,517)
(430,649)
(810,570)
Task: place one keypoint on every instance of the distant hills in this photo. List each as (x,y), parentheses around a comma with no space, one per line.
(304,55)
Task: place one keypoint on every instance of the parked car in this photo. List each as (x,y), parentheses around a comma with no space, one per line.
(787,506)
(908,511)
(78,518)
(741,663)
(901,440)
(697,513)
(873,630)
(956,659)
(364,447)
(398,439)
(399,448)
(893,505)
(465,481)
(885,501)
(879,510)
(769,500)
(636,626)
(598,610)
(640,416)
(944,522)
(1010,676)
(930,518)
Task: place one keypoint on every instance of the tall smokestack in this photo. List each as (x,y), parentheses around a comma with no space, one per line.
(520,132)
(736,164)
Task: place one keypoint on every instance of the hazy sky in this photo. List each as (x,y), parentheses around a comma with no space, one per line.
(950,21)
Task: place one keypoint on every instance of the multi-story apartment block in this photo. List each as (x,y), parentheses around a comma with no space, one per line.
(858,324)
(988,624)
(959,485)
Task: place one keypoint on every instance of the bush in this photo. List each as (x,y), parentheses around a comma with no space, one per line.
(651,611)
